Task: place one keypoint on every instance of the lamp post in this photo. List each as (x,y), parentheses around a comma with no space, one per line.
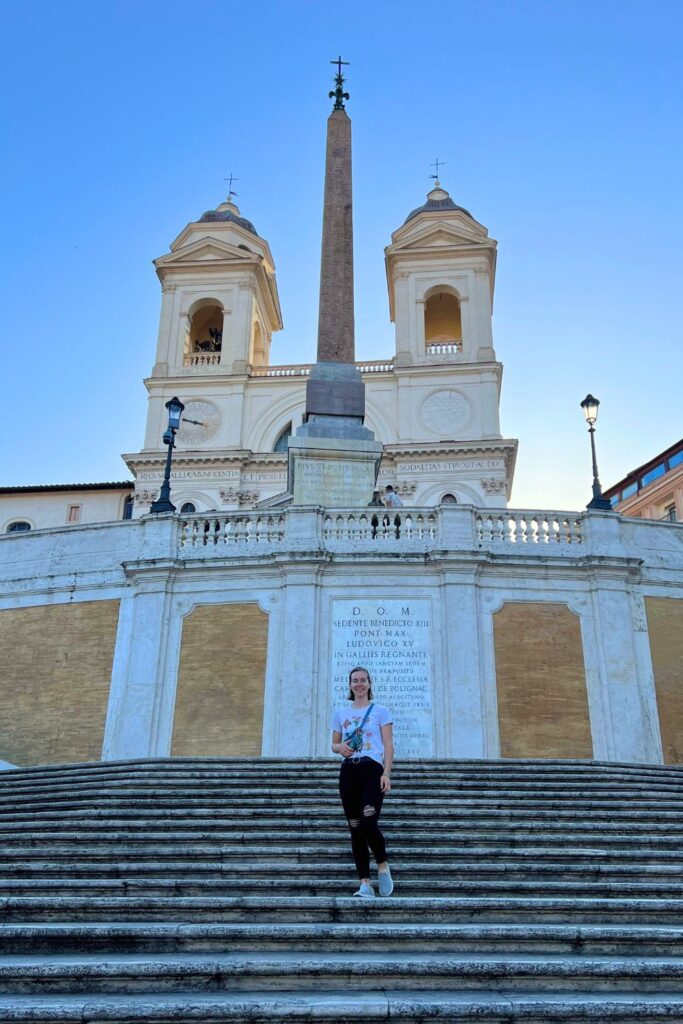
(175,410)
(590,411)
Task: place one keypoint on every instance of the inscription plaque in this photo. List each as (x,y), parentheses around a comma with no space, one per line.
(392,640)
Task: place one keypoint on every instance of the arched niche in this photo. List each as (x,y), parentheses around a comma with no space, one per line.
(443,320)
(205,327)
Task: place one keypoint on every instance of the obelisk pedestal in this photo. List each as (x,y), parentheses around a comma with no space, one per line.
(333,458)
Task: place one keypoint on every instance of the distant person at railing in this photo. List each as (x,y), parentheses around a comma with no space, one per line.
(391,498)
(376,500)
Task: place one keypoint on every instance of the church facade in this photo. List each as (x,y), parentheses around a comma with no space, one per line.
(229,627)
(434,405)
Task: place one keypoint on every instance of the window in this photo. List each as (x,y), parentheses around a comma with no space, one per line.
(676,459)
(281,443)
(614,500)
(449,499)
(187,508)
(628,491)
(73,514)
(670,514)
(20,526)
(658,471)
(128,508)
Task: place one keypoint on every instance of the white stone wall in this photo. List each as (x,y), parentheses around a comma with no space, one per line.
(457,565)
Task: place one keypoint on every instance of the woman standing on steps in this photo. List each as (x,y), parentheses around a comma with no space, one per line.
(362,732)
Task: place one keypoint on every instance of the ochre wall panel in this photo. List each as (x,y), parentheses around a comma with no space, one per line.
(541,682)
(665,626)
(55,672)
(219,699)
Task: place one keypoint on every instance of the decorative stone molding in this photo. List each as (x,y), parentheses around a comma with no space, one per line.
(145,497)
(229,494)
(247,497)
(406,489)
(492,485)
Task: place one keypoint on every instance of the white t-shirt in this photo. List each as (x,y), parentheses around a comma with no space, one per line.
(347,718)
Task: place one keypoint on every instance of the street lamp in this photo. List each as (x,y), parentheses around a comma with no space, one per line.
(163,503)
(590,411)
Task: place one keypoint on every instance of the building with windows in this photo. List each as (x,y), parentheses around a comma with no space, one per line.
(654,490)
(53,505)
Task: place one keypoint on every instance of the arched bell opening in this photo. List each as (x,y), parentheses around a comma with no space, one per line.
(443,321)
(205,331)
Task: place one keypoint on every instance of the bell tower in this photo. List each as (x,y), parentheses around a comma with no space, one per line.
(440,267)
(219,309)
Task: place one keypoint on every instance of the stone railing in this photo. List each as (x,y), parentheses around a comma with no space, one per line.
(252,529)
(304,369)
(531,529)
(520,532)
(202,359)
(293,370)
(378,527)
(444,348)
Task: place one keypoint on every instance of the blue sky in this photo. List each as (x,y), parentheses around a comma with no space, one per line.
(559,125)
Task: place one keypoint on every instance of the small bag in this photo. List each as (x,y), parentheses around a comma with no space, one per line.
(355,739)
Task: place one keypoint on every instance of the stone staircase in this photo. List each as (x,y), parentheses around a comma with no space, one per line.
(173,890)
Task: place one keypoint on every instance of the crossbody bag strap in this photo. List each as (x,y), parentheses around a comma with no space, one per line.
(366,715)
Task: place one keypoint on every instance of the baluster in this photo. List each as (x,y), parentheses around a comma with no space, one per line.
(363,528)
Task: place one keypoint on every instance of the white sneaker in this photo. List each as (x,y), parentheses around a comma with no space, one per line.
(366,891)
(386,883)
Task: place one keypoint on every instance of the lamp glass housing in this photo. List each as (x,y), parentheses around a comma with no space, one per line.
(590,408)
(175,409)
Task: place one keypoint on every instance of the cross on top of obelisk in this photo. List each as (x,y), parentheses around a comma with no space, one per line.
(338,93)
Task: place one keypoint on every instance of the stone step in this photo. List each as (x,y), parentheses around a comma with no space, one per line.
(231,885)
(59,848)
(419,809)
(300,971)
(428,842)
(293,782)
(261,765)
(315,1007)
(530,909)
(150,937)
(421,870)
(446,817)
(495,829)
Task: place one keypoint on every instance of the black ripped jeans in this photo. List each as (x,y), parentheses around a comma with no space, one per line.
(362,799)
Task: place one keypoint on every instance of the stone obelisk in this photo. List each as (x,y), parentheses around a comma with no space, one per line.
(333,459)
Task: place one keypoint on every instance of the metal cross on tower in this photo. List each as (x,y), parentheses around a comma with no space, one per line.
(338,93)
(230,180)
(437,163)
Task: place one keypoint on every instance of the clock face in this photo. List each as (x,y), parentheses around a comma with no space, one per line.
(208,420)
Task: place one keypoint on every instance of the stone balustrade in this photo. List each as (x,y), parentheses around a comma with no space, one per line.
(444,348)
(525,528)
(202,359)
(304,369)
(518,531)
